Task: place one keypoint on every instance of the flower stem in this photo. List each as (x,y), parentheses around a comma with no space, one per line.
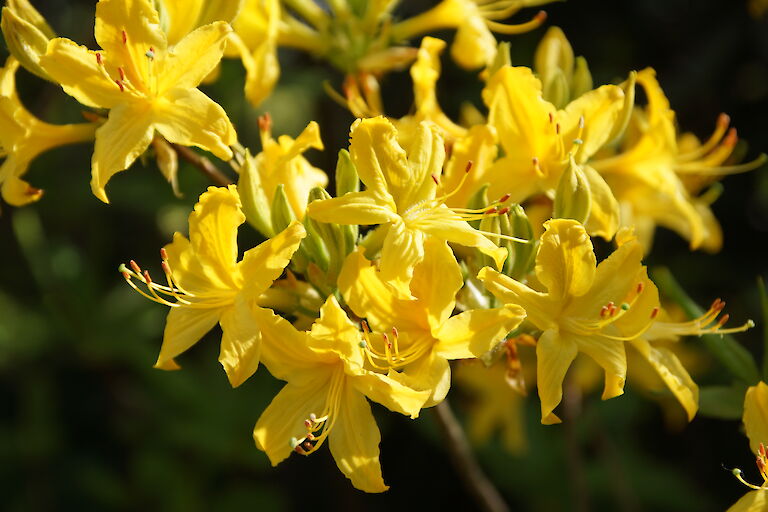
(202,163)
(464,460)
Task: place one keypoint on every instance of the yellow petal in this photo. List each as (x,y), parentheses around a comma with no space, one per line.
(554,356)
(673,373)
(183,328)
(473,333)
(378,158)
(240,343)
(426,155)
(354,442)
(753,501)
(436,281)
(76,69)
(431,372)
(119,142)
(140,23)
(285,350)
(565,261)
(519,113)
(600,109)
(474,45)
(603,219)
(370,297)
(610,355)
(756,415)
(354,208)
(265,262)
(190,118)
(179,17)
(16,191)
(194,57)
(284,417)
(390,391)
(403,249)
(334,332)
(213,237)
(445,224)
(540,309)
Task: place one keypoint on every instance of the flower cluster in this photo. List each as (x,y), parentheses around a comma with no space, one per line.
(444,239)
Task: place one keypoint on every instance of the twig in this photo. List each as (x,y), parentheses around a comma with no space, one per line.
(464,461)
(202,163)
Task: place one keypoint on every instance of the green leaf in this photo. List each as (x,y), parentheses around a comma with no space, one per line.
(722,402)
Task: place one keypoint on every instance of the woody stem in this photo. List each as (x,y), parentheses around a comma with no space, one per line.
(464,460)
(206,166)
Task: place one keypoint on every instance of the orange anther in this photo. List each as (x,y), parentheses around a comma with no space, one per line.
(470,163)
(163,254)
(135,266)
(125,37)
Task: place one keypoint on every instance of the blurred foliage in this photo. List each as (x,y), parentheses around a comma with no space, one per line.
(85,422)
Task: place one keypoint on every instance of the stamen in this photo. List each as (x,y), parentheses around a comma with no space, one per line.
(98,59)
(120,85)
(521,28)
(434,178)
(125,37)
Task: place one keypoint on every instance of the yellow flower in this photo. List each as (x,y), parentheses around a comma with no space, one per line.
(756,425)
(255,42)
(325,397)
(281,161)
(146,84)
(23,137)
(207,285)
(424,335)
(401,193)
(537,139)
(584,308)
(474,45)
(180,17)
(656,178)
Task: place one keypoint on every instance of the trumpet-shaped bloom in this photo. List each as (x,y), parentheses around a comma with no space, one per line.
(475,21)
(281,161)
(586,309)
(207,285)
(401,192)
(23,137)
(325,397)
(424,335)
(656,178)
(538,140)
(146,84)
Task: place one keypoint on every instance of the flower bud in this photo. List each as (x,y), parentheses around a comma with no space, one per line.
(26,35)
(253,197)
(281,212)
(573,197)
(581,81)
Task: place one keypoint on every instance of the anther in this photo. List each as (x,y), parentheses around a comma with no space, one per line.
(540,17)
(434,178)
(551,118)
(654,313)
(122,73)
(731,138)
(557,128)
(125,37)
(394,332)
(491,211)
(120,85)
(147,278)
(504,211)
(307,423)
(265,122)
(504,198)
(723,120)
(166,268)
(364,325)
(135,266)
(98,59)
(603,311)
(163,254)
(470,163)
(310,436)
(640,287)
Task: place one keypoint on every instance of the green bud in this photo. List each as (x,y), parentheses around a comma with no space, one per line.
(556,89)
(581,81)
(347,179)
(522,255)
(490,224)
(573,197)
(255,203)
(281,214)
(477,201)
(26,35)
(319,236)
(553,55)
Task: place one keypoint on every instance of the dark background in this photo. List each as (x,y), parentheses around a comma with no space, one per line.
(86,423)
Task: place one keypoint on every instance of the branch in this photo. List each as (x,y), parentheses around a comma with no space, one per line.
(206,166)
(464,460)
